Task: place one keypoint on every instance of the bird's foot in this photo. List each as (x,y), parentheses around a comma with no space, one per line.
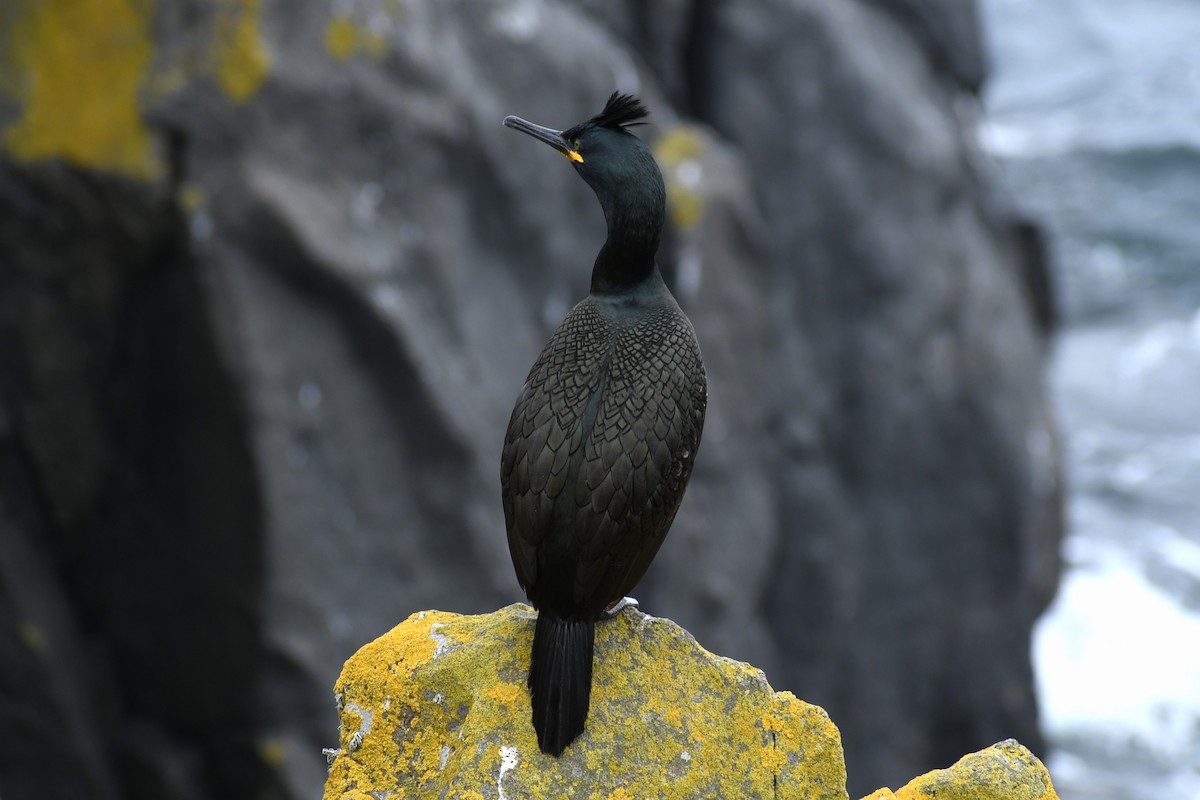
(619,606)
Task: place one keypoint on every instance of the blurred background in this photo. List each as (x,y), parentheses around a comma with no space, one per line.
(1093,112)
(271,275)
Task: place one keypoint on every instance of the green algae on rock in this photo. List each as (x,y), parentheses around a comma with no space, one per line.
(437,707)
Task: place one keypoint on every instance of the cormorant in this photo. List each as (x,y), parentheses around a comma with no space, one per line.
(604,434)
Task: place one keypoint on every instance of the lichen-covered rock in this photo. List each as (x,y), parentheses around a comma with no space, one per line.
(1004,771)
(438,708)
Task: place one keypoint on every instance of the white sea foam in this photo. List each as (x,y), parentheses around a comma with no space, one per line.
(1117,655)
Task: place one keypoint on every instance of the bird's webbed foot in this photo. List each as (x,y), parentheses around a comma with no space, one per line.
(617,607)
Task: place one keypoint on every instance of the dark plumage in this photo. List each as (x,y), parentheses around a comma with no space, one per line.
(605,431)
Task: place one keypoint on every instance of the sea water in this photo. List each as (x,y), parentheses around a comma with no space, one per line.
(1093,116)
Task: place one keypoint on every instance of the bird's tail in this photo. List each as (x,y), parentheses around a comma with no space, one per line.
(560,679)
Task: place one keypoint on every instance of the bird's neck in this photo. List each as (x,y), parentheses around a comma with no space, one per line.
(627,258)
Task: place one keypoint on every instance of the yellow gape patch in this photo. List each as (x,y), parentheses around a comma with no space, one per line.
(573,155)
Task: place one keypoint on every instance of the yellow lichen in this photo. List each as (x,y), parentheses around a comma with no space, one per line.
(344,38)
(79,66)
(191,198)
(1004,771)
(33,637)
(374,44)
(679,152)
(773,759)
(341,38)
(80,70)
(272,751)
(241,59)
(506,693)
(678,144)
(685,207)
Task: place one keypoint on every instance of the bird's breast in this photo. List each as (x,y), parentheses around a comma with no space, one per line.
(601,441)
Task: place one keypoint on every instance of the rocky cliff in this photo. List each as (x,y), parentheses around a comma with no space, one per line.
(271,275)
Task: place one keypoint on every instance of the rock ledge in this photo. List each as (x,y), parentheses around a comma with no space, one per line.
(1004,771)
(437,707)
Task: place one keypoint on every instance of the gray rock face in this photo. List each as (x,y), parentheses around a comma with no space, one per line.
(244,436)
(132,560)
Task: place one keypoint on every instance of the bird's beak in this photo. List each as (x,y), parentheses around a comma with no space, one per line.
(548,135)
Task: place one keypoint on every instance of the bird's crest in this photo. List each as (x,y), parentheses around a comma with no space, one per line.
(621,111)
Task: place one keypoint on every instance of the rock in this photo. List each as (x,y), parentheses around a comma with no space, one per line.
(127,506)
(438,707)
(905,335)
(273,275)
(53,738)
(949,32)
(1004,771)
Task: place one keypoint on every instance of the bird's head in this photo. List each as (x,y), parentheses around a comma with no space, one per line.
(615,163)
